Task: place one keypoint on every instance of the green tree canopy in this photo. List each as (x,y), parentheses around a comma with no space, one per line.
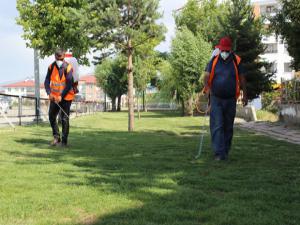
(246,32)
(287,24)
(189,56)
(111,77)
(203,17)
(121,26)
(51,24)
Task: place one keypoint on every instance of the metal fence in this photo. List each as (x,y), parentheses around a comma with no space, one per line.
(20,110)
(290,91)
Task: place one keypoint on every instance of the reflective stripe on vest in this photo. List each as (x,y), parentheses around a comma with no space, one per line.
(235,64)
(57,84)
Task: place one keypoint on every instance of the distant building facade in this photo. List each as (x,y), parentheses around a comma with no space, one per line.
(23,88)
(88,89)
(276,49)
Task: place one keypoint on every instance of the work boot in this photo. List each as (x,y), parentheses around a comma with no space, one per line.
(64,144)
(220,158)
(56,141)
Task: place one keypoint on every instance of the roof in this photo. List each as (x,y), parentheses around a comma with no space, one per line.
(265,2)
(91,79)
(22,84)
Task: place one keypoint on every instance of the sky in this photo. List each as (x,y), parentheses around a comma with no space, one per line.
(16,61)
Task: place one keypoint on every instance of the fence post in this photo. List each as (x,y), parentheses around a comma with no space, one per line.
(76,108)
(105,106)
(20,110)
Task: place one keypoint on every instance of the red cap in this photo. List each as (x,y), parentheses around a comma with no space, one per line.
(225,44)
(68,55)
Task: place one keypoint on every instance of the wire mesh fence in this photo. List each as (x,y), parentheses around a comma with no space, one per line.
(22,110)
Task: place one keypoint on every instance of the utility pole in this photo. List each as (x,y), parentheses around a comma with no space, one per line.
(37,83)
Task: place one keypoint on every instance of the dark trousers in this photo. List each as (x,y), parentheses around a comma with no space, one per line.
(221,124)
(53,112)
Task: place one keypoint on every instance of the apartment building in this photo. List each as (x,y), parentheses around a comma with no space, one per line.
(276,49)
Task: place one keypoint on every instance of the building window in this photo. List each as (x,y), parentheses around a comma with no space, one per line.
(271,48)
(22,89)
(269,9)
(287,67)
(272,68)
(9,89)
(285,49)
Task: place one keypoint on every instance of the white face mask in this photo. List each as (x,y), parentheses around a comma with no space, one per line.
(224,55)
(59,63)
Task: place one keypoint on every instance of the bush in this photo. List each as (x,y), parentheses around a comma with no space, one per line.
(269,101)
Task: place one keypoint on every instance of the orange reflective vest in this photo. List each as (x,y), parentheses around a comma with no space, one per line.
(57,84)
(236,62)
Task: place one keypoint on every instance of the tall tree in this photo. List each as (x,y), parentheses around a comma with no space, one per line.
(246,32)
(287,24)
(189,56)
(111,77)
(120,26)
(143,73)
(167,84)
(51,24)
(145,62)
(203,17)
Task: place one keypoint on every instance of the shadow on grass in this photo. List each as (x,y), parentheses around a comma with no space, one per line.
(161,114)
(157,170)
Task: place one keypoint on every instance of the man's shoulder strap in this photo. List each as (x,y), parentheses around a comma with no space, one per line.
(67,67)
(236,59)
(214,61)
(51,67)
(215,57)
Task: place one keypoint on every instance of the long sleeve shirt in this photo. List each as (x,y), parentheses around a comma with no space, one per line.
(69,79)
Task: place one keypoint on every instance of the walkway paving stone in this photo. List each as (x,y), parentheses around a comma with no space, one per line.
(278,130)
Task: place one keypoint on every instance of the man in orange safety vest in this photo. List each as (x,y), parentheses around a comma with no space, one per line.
(59,87)
(224,78)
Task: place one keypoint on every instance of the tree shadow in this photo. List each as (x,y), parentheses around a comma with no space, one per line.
(161,114)
(156,169)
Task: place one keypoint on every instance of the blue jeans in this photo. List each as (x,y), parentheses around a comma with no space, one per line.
(222,115)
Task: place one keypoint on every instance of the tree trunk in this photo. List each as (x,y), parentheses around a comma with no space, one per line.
(105,105)
(130,89)
(182,107)
(188,107)
(119,103)
(144,102)
(113,103)
(138,105)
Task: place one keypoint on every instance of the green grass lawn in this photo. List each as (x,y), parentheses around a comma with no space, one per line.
(109,176)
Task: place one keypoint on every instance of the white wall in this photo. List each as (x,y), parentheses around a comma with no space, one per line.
(282,56)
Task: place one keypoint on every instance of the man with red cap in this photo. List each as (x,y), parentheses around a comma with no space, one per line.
(224,78)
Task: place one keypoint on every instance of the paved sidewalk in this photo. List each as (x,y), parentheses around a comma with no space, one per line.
(275,130)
